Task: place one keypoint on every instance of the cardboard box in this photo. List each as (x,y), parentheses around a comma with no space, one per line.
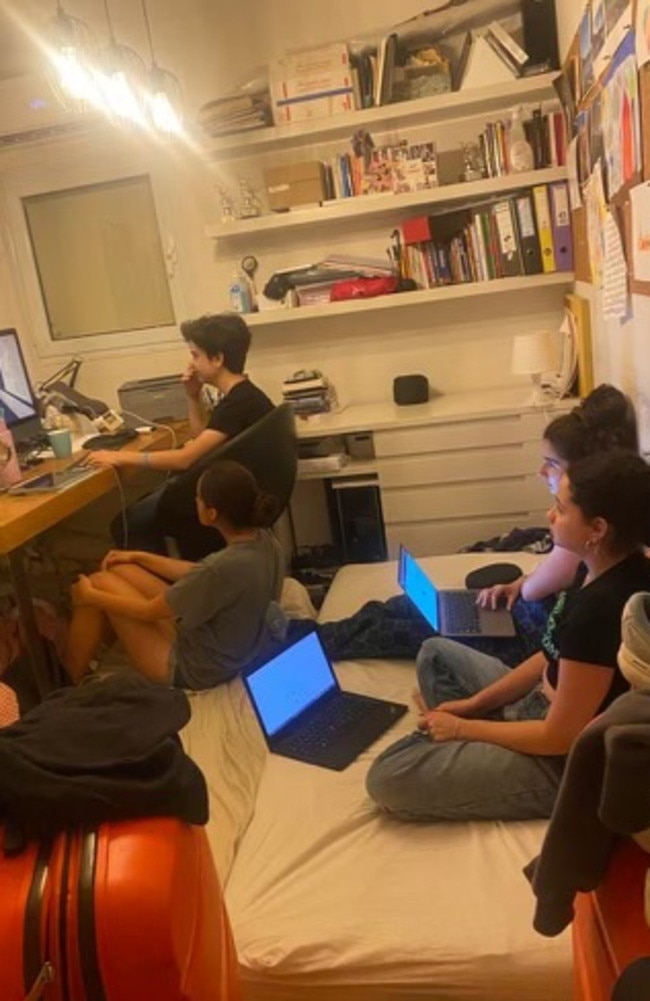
(295,184)
(313,83)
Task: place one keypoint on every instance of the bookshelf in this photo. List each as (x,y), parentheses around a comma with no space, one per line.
(558,282)
(451,117)
(406,114)
(387,208)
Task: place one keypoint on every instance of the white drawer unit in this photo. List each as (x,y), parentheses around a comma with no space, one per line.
(448,485)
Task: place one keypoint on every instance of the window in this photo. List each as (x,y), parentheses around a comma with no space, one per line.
(99,258)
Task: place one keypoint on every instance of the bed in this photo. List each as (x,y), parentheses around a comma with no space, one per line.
(329,899)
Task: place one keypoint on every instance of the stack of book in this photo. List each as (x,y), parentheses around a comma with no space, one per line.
(309,392)
(526,234)
(237,113)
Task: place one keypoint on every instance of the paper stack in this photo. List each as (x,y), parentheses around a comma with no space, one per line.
(309,392)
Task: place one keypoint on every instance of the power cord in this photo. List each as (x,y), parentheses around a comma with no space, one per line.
(154,424)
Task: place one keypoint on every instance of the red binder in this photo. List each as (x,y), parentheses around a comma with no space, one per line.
(561,226)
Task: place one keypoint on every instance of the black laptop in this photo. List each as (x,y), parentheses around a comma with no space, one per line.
(452,613)
(305,715)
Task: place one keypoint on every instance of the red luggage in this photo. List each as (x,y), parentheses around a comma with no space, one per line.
(129,912)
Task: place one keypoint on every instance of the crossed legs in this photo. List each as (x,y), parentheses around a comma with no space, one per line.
(147,644)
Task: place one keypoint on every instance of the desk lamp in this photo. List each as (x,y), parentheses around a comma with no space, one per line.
(534,355)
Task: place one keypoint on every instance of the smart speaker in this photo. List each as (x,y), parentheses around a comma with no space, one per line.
(410,389)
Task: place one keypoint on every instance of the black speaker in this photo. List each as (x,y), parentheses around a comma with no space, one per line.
(410,389)
(540,35)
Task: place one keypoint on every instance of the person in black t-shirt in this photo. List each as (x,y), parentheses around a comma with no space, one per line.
(493,741)
(218,347)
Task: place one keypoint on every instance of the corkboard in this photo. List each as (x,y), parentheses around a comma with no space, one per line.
(644,89)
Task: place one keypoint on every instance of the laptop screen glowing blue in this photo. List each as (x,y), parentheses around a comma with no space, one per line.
(418,587)
(291,682)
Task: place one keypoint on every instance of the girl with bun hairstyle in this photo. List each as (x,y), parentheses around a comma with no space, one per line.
(604,420)
(193,625)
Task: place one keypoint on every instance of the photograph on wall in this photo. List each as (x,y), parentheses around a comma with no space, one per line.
(621,120)
(586,60)
(598,33)
(618,21)
(640,207)
(642,32)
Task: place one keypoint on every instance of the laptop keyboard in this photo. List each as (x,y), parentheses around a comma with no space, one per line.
(461,613)
(339,715)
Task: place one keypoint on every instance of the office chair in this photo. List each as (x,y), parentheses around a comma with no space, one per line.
(268,448)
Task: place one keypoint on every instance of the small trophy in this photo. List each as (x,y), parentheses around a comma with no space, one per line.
(226,204)
(249,204)
(473,166)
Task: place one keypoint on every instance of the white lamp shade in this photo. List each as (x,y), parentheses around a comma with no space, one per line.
(534,353)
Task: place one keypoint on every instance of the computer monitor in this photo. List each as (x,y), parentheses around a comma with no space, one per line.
(16,394)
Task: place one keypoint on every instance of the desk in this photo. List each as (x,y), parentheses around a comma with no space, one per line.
(23,518)
(459,468)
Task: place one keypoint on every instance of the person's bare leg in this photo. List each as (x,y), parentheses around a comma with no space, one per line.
(146,583)
(89,628)
(147,644)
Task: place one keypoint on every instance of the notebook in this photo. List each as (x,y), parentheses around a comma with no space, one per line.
(305,715)
(450,613)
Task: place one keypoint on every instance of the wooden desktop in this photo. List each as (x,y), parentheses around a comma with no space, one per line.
(23,518)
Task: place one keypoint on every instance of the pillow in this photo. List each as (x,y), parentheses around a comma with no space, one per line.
(295,601)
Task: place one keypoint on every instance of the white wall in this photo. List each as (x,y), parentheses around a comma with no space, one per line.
(459,346)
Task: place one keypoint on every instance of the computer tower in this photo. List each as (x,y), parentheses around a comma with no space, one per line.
(357,520)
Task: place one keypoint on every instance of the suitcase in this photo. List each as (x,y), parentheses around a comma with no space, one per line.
(130,911)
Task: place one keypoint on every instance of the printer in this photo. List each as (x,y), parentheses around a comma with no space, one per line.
(156,400)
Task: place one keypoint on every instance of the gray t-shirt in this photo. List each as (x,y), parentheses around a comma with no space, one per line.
(222,611)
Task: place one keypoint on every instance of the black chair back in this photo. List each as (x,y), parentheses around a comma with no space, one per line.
(269,448)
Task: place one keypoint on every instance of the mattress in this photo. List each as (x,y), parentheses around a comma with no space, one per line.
(328,899)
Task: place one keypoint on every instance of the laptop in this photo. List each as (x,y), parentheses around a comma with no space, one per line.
(305,715)
(452,613)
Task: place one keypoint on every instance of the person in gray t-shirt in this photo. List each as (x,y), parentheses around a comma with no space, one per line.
(192,624)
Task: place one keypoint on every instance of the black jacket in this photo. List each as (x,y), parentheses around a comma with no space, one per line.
(107,750)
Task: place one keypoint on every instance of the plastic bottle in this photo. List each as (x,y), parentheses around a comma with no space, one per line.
(239,292)
(9,469)
(520,152)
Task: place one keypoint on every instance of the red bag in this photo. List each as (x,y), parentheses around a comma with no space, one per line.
(363,288)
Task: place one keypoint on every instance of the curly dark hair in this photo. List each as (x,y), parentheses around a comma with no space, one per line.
(224,334)
(603,420)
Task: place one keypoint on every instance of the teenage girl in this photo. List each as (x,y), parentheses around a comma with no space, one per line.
(604,420)
(493,741)
(194,625)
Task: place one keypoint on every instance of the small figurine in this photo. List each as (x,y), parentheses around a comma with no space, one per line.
(249,203)
(226,204)
(473,166)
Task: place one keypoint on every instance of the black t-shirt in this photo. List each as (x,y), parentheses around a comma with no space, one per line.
(585,624)
(244,405)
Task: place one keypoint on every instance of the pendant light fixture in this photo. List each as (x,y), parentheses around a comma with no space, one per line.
(120,79)
(164,97)
(71,52)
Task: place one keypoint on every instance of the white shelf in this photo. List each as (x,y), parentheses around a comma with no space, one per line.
(384,206)
(405,300)
(423,111)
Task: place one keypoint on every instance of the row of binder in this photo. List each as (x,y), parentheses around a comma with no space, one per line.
(528,233)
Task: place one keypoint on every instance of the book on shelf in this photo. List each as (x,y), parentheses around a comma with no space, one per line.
(561,225)
(503,42)
(544,228)
(484,66)
(531,253)
(510,263)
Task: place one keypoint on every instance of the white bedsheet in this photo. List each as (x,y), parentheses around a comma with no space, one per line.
(330,900)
